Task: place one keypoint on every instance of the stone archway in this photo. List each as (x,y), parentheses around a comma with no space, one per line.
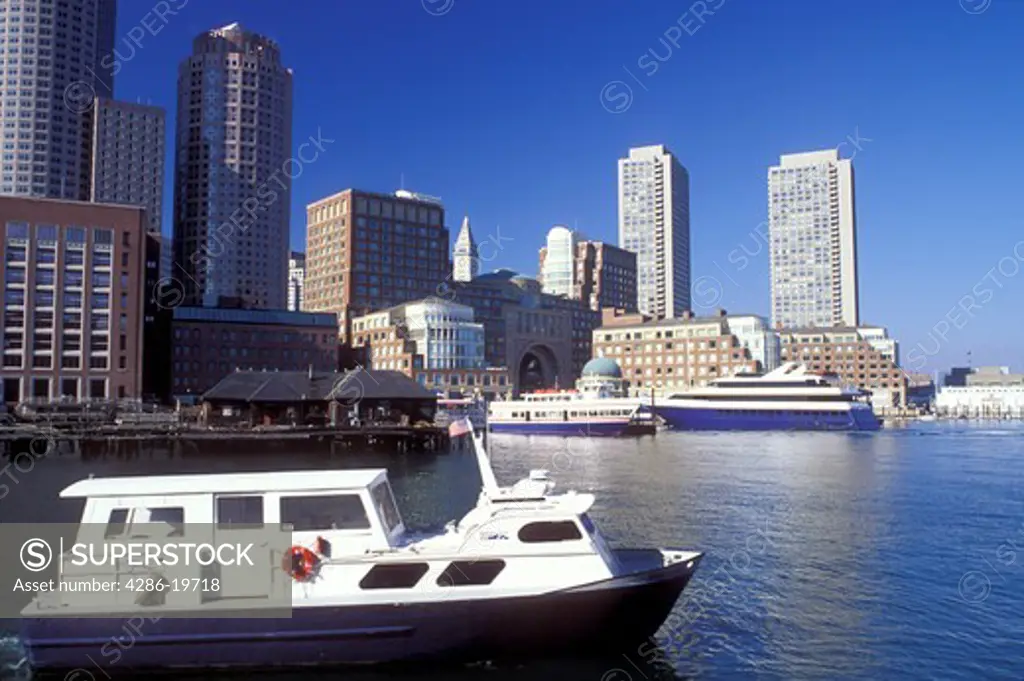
(537,369)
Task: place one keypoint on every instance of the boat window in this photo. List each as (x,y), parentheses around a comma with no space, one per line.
(396,576)
(133,521)
(117,523)
(470,572)
(240,511)
(563,530)
(329,512)
(385,503)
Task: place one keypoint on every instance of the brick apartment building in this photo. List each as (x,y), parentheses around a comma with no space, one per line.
(862,356)
(674,355)
(73,295)
(368,252)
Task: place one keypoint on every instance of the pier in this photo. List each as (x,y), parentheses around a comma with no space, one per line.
(39,440)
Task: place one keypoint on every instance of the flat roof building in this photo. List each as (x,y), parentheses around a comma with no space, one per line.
(73,294)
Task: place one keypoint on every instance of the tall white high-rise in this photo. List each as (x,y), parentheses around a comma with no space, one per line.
(813,237)
(465,256)
(58,59)
(559,265)
(233,170)
(296,280)
(128,157)
(654,223)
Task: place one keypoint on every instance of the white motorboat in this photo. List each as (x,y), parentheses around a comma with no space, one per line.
(525,571)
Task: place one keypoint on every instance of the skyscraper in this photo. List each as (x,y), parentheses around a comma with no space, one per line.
(232,184)
(53,72)
(128,157)
(465,257)
(597,274)
(813,236)
(296,279)
(654,223)
(558,262)
(367,252)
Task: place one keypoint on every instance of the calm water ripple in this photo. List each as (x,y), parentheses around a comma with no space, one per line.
(829,556)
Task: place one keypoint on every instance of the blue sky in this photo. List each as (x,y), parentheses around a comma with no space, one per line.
(497,107)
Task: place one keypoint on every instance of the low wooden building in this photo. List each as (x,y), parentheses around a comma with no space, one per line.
(310,398)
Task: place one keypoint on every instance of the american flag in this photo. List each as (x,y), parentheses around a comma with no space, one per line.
(460,427)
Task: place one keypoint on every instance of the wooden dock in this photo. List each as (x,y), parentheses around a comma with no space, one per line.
(38,439)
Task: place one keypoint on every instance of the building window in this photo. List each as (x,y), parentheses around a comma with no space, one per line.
(69,387)
(97,388)
(17,230)
(40,388)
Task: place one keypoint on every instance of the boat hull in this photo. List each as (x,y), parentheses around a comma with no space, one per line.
(590,618)
(563,428)
(701,418)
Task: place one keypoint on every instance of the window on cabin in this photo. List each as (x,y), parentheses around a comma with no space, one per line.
(169,515)
(138,518)
(396,576)
(240,512)
(535,533)
(385,503)
(117,523)
(470,573)
(329,512)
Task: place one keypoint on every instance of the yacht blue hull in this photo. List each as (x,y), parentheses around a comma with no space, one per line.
(588,618)
(583,428)
(696,418)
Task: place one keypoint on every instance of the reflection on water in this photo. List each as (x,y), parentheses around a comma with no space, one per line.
(828,555)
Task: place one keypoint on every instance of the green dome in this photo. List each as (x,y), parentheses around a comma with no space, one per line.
(602,366)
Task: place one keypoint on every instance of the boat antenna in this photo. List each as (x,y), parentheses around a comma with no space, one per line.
(490,483)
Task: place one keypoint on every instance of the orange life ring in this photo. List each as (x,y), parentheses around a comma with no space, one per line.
(301,563)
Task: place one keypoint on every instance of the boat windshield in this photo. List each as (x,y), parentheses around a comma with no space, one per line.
(384,500)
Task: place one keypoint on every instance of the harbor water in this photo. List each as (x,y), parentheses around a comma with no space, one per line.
(889,555)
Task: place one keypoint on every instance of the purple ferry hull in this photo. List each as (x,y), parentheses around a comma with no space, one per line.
(692,418)
(563,428)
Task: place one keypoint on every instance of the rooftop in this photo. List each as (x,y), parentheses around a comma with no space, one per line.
(401,195)
(805,158)
(325,320)
(317,386)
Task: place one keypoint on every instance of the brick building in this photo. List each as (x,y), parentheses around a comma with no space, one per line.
(73,296)
(367,252)
(209,343)
(544,340)
(863,356)
(674,355)
(599,275)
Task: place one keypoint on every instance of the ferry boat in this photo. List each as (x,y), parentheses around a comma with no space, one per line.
(525,571)
(596,407)
(563,412)
(788,398)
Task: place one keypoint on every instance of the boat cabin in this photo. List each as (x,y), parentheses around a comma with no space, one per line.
(354,510)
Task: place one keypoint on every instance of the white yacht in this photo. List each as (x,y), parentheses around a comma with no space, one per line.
(525,571)
(788,398)
(597,407)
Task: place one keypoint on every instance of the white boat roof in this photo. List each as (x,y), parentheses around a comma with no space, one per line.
(226,483)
